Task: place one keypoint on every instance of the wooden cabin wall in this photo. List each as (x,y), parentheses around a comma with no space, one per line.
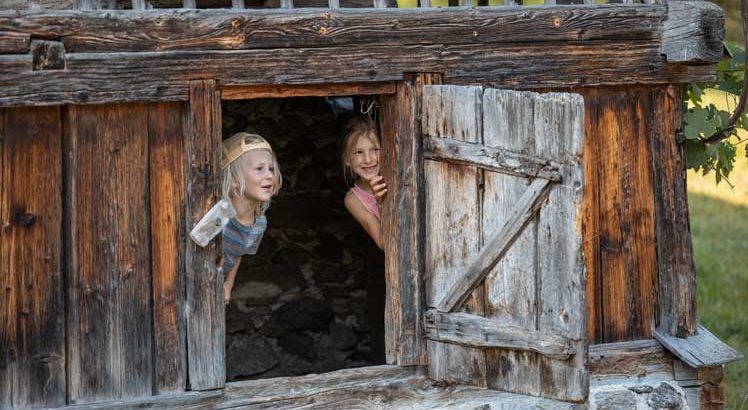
(92,262)
(621,126)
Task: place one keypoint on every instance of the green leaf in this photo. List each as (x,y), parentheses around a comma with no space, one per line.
(696,155)
(700,122)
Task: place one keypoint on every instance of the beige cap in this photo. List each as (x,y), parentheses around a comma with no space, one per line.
(238,144)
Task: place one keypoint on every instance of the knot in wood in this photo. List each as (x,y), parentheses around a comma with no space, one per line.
(323,30)
(24,219)
(234,24)
(556,22)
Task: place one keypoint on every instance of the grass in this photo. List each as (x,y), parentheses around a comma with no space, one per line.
(719,224)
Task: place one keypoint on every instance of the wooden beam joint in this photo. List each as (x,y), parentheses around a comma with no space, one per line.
(693,32)
(47,55)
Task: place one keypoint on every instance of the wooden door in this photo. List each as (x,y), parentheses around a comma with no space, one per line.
(504,269)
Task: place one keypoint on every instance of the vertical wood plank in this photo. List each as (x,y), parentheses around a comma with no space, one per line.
(511,297)
(167,197)
(591,214)
(32,333)
(403,250)
(238,4)
(109,277)
(452,222)
(675,264)
(204,304)
(559,130)
(626,214)
(7,296)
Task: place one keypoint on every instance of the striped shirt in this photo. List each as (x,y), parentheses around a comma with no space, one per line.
(239,239)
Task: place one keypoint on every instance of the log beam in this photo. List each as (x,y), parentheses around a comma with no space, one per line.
(693,32)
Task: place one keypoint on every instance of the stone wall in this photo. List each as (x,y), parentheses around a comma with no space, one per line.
(300,305)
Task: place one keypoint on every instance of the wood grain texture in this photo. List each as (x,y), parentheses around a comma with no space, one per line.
(702,349)
(499,160)
(496,246)
(403,248)
(477,331)
(378,387)
(693,32)
(452,222)
(172,30)
(675,264)
(561,273)
(167,207)
(629,362)
(109,313)
(204,281)
(318,90)
(626,213)
(32,329)
(591,216)
(91,78)
(511,287)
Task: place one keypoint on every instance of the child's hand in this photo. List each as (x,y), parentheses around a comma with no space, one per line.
(227,286)
(379,187)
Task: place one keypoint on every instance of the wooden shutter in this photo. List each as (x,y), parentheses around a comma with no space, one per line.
(504,270)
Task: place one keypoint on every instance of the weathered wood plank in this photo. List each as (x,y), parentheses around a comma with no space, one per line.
(109,313)
(167,192)
(32,331)
(562,303)
(14,43)
(105,77)
(8,301)
(675,264)
(626,218)
(702,349)
(402,170)
(477,331)
(629,362)
(452,223)
(591,214)
(499,160)
(693,32)
(301,90)
(204,286)
(136,31)
(494,248)
(511,287)
(380,387)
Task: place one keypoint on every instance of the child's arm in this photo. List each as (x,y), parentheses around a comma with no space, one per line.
(368,221)
(228,283)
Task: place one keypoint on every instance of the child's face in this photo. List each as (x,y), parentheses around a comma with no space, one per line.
(364,160)
(259,175)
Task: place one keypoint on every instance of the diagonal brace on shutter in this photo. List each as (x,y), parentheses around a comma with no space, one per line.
(497,247)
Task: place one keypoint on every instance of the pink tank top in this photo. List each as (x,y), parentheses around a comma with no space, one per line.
(370,203)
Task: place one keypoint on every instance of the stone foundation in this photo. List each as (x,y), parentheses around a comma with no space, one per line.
(300,305)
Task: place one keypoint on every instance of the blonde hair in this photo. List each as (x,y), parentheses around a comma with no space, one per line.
(355,129)
(233,181)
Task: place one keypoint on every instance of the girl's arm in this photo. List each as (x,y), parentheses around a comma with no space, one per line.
(228,284)
(369,222)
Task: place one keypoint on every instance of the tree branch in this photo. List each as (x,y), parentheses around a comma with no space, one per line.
(725,132)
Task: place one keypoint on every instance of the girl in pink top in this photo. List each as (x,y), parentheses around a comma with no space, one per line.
(360,155)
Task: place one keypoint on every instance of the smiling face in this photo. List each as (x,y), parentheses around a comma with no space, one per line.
(260,177)
(364,157)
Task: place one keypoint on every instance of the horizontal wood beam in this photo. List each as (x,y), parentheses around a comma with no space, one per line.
(380,387)
(702,349)
(248,92)
(693,32)
(477,331)
(479,155)
(181,30)
(90,78)
(496,247)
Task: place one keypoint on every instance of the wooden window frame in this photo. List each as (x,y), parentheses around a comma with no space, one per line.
(404,342)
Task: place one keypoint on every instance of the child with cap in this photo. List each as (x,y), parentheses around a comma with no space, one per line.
(251,176)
